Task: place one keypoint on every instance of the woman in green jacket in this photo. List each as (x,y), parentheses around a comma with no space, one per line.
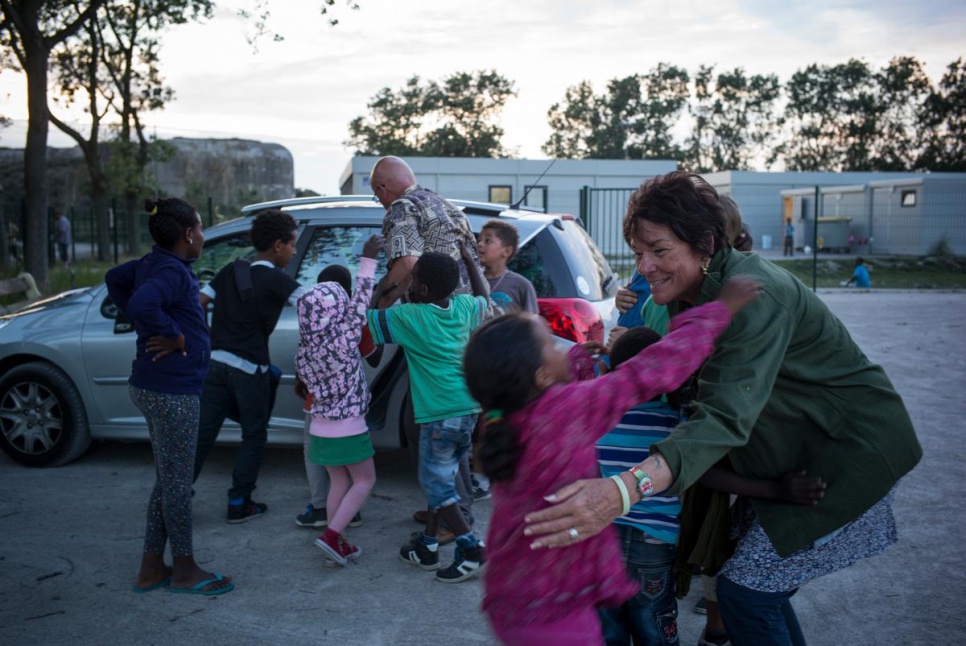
(786,389)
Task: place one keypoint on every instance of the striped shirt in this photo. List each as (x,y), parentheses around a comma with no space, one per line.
(625,447)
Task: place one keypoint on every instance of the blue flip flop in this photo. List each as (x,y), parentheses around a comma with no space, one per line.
(197,589)
(163,583)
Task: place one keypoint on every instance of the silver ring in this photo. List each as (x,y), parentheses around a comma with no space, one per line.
(574,535)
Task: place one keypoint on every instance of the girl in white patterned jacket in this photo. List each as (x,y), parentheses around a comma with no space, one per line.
(329,364)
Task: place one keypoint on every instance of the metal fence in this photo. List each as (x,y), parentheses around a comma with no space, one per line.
(903,219)
(84,229)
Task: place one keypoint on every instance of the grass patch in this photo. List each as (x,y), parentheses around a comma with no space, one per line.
(930,272)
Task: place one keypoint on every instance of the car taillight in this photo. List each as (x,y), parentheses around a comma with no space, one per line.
(572,318)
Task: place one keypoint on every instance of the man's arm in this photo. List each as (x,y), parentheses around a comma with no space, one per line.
(396,282)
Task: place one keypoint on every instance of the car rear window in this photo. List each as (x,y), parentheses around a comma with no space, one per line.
(336,245)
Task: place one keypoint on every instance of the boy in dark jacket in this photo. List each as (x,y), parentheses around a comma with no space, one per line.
(248,300)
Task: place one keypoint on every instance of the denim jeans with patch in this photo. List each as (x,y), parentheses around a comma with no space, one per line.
(442,444)
(650,616)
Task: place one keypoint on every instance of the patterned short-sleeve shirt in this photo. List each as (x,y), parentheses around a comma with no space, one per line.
(420,221)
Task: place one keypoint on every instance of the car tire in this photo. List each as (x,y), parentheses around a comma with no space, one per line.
(42,418)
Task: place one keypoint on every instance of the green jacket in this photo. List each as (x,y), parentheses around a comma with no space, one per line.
(787,389)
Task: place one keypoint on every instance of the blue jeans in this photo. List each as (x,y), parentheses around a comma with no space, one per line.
(224,388)
(442,444)
(754,618)
(651,616)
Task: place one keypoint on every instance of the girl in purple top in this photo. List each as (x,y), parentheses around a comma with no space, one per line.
(329,364)
(541,428)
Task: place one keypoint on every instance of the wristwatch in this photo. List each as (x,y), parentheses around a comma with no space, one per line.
(645,486)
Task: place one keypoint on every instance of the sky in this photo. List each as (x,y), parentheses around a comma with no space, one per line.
(303,91)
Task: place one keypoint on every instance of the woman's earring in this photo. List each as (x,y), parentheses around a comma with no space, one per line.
(705,265)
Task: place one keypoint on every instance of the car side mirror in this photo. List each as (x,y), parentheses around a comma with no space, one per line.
(111,311)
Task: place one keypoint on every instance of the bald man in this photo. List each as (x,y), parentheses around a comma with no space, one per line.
(417,220)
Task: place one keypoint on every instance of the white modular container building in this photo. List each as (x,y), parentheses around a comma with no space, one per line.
(508,180)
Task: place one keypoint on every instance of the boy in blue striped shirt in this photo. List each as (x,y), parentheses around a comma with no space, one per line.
(649,532)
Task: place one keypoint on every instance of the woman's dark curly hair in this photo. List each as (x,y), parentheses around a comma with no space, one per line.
(500,364)
(168,218)
(271,226)
(684,203)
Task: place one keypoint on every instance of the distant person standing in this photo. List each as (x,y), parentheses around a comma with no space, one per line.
(789,238)
(62,237)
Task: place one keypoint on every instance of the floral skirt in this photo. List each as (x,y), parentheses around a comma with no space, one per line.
(758,566)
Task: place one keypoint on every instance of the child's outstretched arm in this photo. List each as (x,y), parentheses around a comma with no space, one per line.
(797,487)
(365,280)
(477,282)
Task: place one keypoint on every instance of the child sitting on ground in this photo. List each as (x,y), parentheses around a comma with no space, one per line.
(540,433)
(328,362)
(433,329)
(509,291)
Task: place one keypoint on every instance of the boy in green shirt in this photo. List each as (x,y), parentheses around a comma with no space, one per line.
(433,329)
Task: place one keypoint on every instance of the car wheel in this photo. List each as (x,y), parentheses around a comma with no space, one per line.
(42,417)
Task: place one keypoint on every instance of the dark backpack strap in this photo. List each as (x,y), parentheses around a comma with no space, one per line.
(243,278)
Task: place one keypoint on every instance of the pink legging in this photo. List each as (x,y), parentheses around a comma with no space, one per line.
(349,486)
(580,628)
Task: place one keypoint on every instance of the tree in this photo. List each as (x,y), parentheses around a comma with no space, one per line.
(457,117)
(130,56)
(76,68)
(734,120)
(833,114)
(943,121)
(633,119)
(31,29)
(902,90)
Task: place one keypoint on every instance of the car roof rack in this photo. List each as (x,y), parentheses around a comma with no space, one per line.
(469,206)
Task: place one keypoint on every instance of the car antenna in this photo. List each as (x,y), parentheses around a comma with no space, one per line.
(517,204)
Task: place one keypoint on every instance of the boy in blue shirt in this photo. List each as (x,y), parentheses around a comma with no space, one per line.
(649,532)
(433,328)
(860,275)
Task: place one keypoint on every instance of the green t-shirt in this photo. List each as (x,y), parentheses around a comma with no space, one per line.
(655,316)
(433,339)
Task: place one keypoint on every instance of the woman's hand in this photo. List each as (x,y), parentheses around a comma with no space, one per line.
(625,299)
(581,510)
(162,346)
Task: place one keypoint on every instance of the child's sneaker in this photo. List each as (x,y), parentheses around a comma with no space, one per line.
(246,511)
(312,517)
(480,493)
(319,518)
(468,563)
(419,554)
(337,548)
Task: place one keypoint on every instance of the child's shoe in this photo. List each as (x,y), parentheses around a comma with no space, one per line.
(337,548)
(468,563)
(419,554)
(246,511)
(319,518)
(312,517)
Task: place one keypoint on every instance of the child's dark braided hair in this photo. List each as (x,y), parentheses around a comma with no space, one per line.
(500,364)
(168,218)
